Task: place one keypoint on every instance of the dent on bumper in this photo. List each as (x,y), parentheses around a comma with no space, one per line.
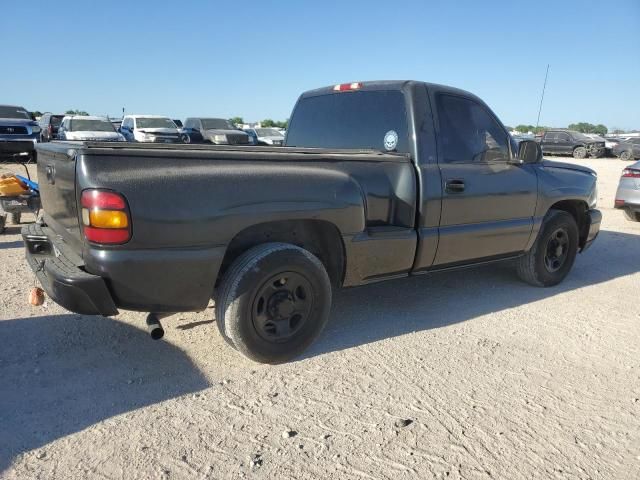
(66,283)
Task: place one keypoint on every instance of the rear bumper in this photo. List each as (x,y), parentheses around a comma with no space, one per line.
(594,220)
(61,276)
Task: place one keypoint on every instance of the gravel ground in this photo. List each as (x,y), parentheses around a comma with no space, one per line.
(462,375)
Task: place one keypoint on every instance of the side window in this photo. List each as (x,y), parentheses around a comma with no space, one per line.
(563,137)
(188,123)
(468,133)
(550,137)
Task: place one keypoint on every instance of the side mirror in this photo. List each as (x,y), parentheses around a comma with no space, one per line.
(529,151)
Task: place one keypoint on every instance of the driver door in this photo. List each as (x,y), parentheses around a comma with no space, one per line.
(488,202)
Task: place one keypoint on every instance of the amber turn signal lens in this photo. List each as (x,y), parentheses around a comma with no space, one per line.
(108,219)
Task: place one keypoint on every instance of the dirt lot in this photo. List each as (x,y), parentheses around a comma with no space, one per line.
(493,379)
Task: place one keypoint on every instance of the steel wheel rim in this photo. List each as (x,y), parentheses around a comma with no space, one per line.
(282,306)
(557,250)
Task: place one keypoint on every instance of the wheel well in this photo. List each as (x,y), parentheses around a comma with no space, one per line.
(578,210)
(317,236)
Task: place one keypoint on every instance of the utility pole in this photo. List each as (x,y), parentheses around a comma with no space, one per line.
(542,96)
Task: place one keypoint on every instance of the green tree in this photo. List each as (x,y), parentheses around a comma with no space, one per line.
(586,127)
(237,121)
(268,123)
(601,129)
(36,113)
(525,128)
(76,112)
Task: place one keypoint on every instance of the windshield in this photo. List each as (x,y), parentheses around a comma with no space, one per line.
(14,112)
(268,132)
(581,136)
(83,125)
(152,122)
(216,124)
(56,120)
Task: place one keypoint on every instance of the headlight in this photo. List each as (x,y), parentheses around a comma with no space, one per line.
(35,129)
(220,138)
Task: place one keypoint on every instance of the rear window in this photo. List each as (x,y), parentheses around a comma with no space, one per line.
(358,120)
(56,120)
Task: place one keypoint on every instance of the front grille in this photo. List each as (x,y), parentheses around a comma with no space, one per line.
(8,130)
(237,139)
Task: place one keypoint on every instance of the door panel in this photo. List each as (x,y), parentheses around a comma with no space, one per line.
(492,216)
(488,203)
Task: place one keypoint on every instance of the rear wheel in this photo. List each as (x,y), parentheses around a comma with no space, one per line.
(579,152)
(552,255)
(273,302)
(626,156)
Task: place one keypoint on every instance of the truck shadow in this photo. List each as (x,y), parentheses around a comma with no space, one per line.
(63,373)
(370,313)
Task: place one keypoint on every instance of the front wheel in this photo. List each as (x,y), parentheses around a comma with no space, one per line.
(273,302)
(579,152)
(552,255)
(626,156)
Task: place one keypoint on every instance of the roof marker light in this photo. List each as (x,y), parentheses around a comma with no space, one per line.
(343,87)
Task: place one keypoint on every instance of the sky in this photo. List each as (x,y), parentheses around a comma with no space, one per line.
(254,58)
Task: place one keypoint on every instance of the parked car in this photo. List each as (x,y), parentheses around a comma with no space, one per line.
(150,129)
(266,136)
(569,142)
(49,124)
(88,128)
(218,131)
(19,133)
(628,193)
(269,233)
(628,150)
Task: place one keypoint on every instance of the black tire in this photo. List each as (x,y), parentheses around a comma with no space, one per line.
(15,218)
(3,222)
(626,156)
(633,216)
(579,152)
(273,302)
(550,260)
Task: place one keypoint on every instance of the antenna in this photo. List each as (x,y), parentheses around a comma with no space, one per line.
(542,97)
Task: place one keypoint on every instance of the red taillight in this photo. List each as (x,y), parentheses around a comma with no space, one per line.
(619,203)
(630,172)
(105,217)
(103,199)
(50,129)
(343,87)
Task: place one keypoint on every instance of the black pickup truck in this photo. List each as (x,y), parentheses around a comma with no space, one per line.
(377,181)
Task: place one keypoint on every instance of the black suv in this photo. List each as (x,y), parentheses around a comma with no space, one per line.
(49,123)
(569,142)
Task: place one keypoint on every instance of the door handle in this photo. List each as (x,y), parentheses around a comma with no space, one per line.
(454,186)
(51,174)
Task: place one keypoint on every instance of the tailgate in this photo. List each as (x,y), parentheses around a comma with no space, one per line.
(57,181)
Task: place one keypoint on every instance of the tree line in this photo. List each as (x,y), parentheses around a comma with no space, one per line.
(267,123)
(582,127)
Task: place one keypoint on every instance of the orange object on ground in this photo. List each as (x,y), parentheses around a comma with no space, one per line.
(36,296)
(10,186)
